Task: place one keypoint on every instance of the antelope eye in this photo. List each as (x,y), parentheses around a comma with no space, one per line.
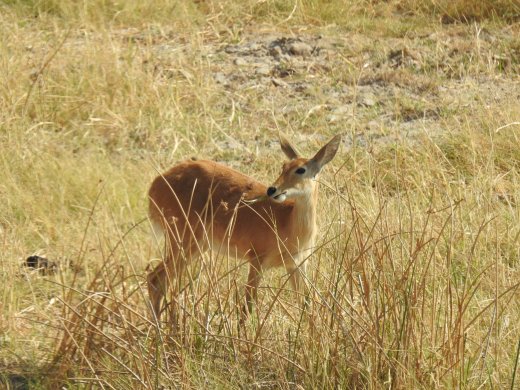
(300,171)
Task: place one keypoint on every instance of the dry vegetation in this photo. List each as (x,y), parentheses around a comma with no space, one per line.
(416,277)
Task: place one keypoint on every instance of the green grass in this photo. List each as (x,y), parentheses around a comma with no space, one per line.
(415,279)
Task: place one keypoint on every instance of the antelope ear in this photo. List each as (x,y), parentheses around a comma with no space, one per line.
(287,148)
(324,155)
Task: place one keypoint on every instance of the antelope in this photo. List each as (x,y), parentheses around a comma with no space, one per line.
(199,204)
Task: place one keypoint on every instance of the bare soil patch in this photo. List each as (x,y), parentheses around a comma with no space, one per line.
(379,89)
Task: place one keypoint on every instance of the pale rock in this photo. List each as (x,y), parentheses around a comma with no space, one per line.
(300,49)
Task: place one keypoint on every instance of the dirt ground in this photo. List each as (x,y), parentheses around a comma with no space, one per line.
(382,88)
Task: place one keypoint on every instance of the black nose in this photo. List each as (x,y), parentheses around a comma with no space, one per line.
(271,191)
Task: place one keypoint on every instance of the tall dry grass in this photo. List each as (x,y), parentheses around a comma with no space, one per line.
(414,285)
(414,281)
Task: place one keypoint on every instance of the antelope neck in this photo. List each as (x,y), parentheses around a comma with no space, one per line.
(304,217)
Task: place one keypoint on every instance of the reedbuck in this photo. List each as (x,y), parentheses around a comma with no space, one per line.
(200,204)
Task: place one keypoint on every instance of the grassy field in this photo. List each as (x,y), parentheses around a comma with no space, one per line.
(415,280)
